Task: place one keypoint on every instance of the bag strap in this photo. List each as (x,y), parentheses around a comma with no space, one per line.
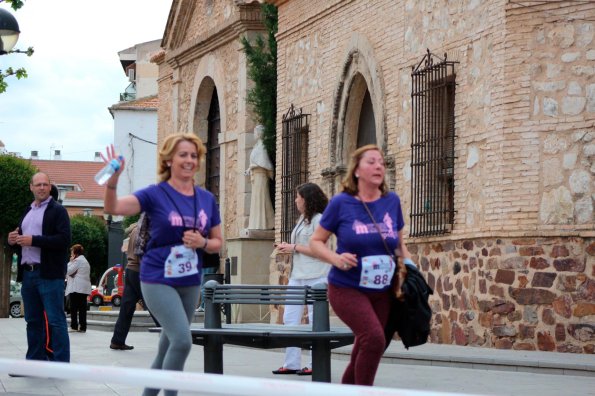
(377,228)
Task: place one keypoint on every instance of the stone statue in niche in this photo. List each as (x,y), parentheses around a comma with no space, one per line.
(260,171)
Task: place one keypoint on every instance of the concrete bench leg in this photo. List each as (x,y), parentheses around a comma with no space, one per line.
(213,355)
(321,361)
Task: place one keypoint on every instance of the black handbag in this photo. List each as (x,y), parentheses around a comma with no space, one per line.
(410,316)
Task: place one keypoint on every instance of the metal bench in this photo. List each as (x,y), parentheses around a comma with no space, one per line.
(319,335)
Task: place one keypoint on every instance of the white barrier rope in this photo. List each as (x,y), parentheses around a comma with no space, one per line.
(205,384)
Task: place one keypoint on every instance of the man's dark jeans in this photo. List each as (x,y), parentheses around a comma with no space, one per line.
(132,294)
(47,295)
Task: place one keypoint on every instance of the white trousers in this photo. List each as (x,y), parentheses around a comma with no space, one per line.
(293,316)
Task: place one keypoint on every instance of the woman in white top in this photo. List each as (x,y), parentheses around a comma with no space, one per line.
(78,286)
(305,269)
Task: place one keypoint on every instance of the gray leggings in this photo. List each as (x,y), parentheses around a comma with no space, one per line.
(174,308)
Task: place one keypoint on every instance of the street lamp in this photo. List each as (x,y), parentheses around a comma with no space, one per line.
(62,195)
(9,31)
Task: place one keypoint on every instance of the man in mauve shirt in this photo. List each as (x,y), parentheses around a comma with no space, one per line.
(41,242)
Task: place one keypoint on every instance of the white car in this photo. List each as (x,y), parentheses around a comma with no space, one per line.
(15,300)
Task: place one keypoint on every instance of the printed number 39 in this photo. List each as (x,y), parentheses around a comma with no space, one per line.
(183,267)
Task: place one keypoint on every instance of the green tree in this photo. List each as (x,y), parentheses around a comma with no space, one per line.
(15,195)
(262,70)
(128,220)
(91,232)
(20,72)
(15,4)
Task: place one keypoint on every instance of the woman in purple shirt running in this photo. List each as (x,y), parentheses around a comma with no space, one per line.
(368,223)
(185,224)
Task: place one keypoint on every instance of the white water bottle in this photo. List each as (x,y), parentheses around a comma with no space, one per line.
(108,170)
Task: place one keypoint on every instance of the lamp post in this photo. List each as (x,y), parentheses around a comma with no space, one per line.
(62,195)
(9,31)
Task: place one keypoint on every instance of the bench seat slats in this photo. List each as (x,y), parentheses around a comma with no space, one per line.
(318,336)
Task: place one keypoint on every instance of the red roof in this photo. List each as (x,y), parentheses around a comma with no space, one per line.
(78,173)
(148,102)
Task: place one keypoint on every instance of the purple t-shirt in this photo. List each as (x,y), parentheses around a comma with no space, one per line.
(347,218)
(167,228)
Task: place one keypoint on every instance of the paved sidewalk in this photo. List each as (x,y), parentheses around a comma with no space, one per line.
(439,368)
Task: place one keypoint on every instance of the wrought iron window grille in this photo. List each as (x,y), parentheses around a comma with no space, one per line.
(294,140)
(432,149)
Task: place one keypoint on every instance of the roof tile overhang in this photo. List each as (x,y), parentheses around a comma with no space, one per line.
(77,173)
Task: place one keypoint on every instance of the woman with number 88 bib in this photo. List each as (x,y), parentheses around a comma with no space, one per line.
(367,221)
(185,224)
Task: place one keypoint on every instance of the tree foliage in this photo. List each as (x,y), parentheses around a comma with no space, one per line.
(20,72)
(91,232)
(15,4)
(15,176)
(262,69)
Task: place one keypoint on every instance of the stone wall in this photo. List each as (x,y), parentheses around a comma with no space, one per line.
(517,270)
(519,293)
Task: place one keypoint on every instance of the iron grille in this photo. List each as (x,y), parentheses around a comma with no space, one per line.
(213,155)
(294,167)
(432,148)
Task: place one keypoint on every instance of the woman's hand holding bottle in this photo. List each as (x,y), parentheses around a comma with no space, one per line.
(114,164)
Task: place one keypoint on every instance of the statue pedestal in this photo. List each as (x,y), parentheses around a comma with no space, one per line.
(250,262)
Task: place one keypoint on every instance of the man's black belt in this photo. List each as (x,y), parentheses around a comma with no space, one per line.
(30,267)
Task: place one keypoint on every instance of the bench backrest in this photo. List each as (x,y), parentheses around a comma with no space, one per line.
(217,294)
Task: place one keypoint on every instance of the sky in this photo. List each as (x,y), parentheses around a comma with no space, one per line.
(74,75)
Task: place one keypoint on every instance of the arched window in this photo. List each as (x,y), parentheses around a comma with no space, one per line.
(366,132)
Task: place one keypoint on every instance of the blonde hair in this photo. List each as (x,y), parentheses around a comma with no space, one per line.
(349,182)
(168,148)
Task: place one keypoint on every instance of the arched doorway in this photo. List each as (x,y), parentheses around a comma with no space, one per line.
(212,177)
(207,125)
(359,115)
(359,127)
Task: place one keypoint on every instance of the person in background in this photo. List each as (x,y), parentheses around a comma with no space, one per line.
(41,242)
(132,289)
(306,270)
(185,224)
(368,222)
(78,287)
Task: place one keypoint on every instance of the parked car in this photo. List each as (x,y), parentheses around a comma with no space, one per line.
(16,301)
(110,289)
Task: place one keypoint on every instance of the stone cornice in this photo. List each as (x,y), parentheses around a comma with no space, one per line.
(250,19)
(158,57)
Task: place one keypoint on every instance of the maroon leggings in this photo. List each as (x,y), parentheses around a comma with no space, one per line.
(366,315)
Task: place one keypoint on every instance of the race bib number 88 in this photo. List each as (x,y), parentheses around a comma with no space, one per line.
(377,271)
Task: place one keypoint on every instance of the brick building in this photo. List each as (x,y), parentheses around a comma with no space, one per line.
(485,111)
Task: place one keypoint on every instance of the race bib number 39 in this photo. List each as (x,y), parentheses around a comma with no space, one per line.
(377,271)
(182,261)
